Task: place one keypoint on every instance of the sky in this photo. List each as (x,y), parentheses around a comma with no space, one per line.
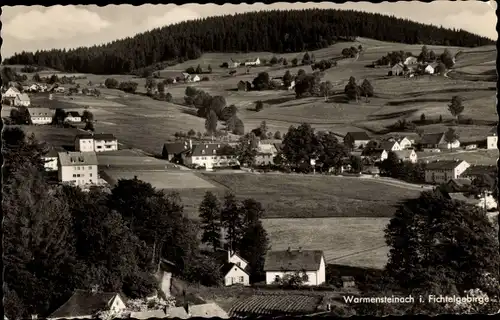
(36,27)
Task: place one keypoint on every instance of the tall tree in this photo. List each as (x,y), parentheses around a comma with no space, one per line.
(331,153)
(326,89)
(456,106)
(231,220)
(210,215)
(366,89)
(451,136)
(211,122)
(352,90)
(300,145)
(246,149)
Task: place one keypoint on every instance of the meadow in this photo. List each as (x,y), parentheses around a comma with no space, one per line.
(305,196)
(141,122)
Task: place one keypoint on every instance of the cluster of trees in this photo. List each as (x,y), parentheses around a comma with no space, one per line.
(198,70)
(271,31)
(20,115)
(126,86)
(31,69)
(302,144)
(446,59)
(157,90)
(351,52)
(395,168)
(241,222)
(324,65)
(307,84)
(213,109)
(353,91)
(59,238)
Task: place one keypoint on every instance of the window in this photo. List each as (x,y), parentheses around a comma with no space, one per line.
(238,264)
(242,279)
(276,278)
(90,167)
(74,175)
(77,168)
(90,175)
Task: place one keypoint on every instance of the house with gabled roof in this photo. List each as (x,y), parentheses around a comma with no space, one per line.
(356,140)
(41,115)
(411,61)
(95,142)
(437,141)
(234,269)
(460,184)
(73,116)
(51,157)
(78,168)
(212,155)
(407,155)
(476,171)
(12,92)
(492,139)
(397,69)
(441,171)
(22,99)
(390,146)
(265,154)
(278,264)
(176,151)
(87,305)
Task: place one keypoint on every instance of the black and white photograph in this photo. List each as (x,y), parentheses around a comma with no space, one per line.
(244,160)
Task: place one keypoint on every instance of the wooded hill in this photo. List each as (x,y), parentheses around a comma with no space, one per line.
(272,31)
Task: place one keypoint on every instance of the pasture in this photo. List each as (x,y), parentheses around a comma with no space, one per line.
(306,196)
(479,157)
(355,242)
(160,179)
(141,122)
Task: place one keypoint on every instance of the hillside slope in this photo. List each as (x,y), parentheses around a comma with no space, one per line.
(272,31)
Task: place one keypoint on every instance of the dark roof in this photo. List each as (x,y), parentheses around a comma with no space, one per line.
(431,138)
(443,165)
(460,182)
(104,136)
(73,113)
(387,145)
(84,136)
(278,146)
(208,149)
(480,170)
(228,266)
(360,135)
(372,152)
(176,147)
(84,303)
(54,152)
(293,260)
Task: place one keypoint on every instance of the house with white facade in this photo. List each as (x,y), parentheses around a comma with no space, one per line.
(390,146)
(492,139)
(98,142)
(41,115)
(87,304)
(22,99)
(375,155)
(78,168)
(59,89)
(12,92)
(407,155)
(196,78)
(235,270)
(441,171)
(51,159)
(84,142)
(265,154)
(211,155)
(429,69)
(278,264)
(404,143)
(411,61)
(73,117)
(437,141)
(255,62)
(397,69)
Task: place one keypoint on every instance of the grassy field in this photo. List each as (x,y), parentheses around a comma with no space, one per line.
(305,196)
(480,157)
(356,242)
(160,179)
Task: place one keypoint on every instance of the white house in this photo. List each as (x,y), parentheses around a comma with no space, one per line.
(265,154)
(84,142)
(376,155)
(22,99)
(196,78)
(73,116)
(51,159)
(256,62)
(34,87)
(59,89)
(233,64)
(12,92)
(492,139)
(437,141)
(404,143)
(286,262)
(411,61)
(41,115)
(429,69)
(78,168)
(211,155)
(105,142)
(390,146)
(86,304)
(407,155)
(397,69)
(442,171)
(235,270)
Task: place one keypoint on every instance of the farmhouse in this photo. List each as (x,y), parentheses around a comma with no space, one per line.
(476,171)
(41,115)
(85,305)
(281,263)
(390,146)
(176,151)
(411,61)
(22,100)
(207,310)
(242,86)
(404,143)
(255,62)
(51,159)
(84,142)
(429,69)
(407,155)
(492,139)
(460,184)
(233,64)
(196,78)
(376,155)
(397,69)
(437,141)
(265,154)
(356,140)
(12,92)
(59,89)
(441,171)
(235,270)
(78,168)
(210,155)
(73,116)
(105,142)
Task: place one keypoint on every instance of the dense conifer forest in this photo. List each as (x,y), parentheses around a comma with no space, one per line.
(274,31)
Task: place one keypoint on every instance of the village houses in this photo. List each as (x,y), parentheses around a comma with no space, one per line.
(235,270)
(429,69)
(441,171)
(176,151)
(408,155)
(98,142)
(86,304)
(255,62)
(41,115)
(286,262)
(73,116)
(78,168)
(404,143)
(411,61)
(397,69)
(51,159)
(375,155)
(12,92)
(390,146)
(211,155)
(492,139)
(265,154)
(437,141)
(358,140)
(22,99)
(206,310)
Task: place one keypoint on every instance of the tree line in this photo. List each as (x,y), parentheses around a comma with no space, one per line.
(272,31)
(59,238)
